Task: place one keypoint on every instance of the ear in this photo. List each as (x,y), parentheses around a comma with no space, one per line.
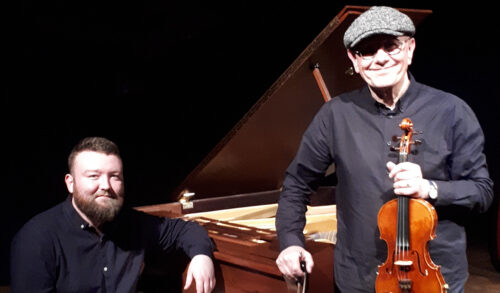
(68,179)
(353,60)
(411,48)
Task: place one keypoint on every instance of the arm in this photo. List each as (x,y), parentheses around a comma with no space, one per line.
(469,184)
(302,176)
(32,262)
(466,182)
(194,241)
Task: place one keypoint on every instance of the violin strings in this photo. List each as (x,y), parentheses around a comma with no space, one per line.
(403,233)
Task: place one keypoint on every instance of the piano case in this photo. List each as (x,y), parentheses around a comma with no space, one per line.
(234,191)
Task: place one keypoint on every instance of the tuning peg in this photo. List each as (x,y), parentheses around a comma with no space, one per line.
(416,142)
(394,149)
(415,132)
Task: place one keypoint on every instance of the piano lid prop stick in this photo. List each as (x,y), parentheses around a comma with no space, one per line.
(321,83)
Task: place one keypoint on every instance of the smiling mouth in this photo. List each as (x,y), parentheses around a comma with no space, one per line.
(108,195)
(382,68)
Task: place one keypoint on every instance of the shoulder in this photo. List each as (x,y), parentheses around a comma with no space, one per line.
(132,216)
(352,97)
(136,221)
(448,110)
(444,98)
(445,102)
(345,102)
(37,239)
(42,226)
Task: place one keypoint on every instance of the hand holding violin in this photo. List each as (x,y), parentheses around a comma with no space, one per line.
(408,180)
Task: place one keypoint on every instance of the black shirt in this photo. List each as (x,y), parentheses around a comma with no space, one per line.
(355,133)
(57,251)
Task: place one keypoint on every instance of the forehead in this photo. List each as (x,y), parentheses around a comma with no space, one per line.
(88,160)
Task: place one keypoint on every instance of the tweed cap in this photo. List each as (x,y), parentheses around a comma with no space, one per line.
(378,20)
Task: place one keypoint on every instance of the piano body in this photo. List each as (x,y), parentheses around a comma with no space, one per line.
(236,187)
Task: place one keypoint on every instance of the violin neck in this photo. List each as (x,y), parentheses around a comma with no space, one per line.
(403,157)
(403,225)
(403,232)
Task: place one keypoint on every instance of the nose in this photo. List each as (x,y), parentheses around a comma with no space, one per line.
(104,183)
(381,56)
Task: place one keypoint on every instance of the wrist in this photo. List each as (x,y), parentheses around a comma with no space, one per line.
(433,190)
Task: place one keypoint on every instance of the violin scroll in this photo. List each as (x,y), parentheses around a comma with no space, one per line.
(406,140)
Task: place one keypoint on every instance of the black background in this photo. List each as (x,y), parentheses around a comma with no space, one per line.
(167,80)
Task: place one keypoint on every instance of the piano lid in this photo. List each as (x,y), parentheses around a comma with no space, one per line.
(254,155)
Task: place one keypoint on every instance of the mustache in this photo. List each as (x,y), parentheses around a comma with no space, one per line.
(105,193)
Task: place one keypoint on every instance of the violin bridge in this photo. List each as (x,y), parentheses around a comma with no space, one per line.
(403,263)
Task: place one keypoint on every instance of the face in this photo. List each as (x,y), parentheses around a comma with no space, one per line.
(96,183)
(383,60)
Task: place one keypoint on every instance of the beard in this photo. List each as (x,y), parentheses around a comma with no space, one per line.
(98,213)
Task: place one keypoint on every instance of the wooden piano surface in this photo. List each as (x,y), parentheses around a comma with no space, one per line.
(247,168)
(256,237)
(247,245)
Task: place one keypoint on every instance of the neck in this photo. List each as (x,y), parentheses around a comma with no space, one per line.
(389,96)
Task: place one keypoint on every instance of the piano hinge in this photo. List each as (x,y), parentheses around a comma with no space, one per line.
(185,200)
(187,205)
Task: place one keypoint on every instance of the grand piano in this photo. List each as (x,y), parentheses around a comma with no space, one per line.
(234,191)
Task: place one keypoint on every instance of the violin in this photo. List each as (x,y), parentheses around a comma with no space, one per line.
(407,225)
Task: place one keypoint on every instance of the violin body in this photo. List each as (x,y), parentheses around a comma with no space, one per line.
(396,273)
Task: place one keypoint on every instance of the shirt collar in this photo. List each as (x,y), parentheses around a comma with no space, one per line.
(77,221)
(72,215)
(408,96)
(401,105)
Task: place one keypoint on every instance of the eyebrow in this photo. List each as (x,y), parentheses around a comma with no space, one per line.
(91,171)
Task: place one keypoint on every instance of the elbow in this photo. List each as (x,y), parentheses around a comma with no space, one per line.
(485,189)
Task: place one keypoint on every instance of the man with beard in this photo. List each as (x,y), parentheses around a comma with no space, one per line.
(88,243)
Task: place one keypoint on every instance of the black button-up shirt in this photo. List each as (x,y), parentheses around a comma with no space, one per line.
(57,251)
(355,133)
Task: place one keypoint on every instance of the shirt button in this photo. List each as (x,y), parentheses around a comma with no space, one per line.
(82,226)
(105,269)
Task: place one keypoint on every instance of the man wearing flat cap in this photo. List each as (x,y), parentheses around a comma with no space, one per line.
(354,131)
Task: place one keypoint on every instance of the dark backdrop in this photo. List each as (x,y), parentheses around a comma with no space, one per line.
(167,80)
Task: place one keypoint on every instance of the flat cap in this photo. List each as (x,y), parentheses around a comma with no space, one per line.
(378,20)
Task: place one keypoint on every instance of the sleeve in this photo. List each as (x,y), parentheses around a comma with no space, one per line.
(32,261)
(302,176)
(186,235)
(470,185)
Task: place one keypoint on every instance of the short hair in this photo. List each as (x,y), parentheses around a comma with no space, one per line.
(93,144)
